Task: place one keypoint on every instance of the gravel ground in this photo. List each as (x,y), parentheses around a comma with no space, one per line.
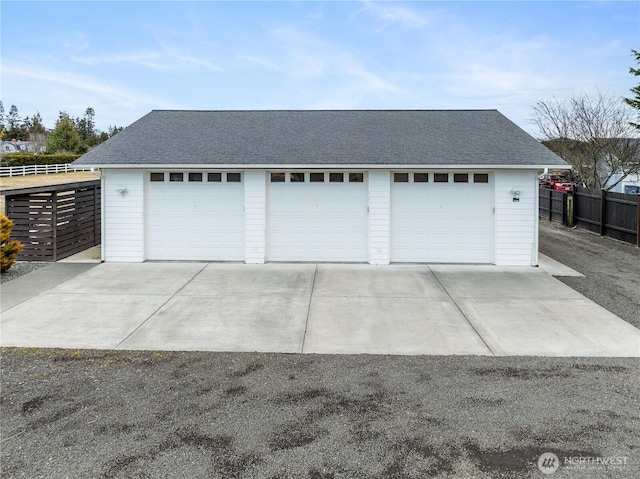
(611,268)
(85,414)
(20,268)
(102,414)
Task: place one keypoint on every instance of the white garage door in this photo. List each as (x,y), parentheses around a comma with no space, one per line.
(317,216)
(442,217)
(195,216)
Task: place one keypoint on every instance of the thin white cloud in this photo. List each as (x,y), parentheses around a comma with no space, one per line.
(143,58)
(197,62)
(164,60)
(302,55)
(371,82)
(338,76)
(394,14)
(259,62)
(113,103)
(88,84)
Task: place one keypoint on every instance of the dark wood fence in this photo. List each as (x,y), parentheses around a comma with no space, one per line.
(609,214)
(616,215)
(555,206)
(54,222)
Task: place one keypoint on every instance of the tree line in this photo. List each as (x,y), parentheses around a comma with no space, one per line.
(68,136)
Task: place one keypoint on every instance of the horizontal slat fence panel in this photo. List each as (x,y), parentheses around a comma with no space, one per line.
(57,221)
(616,215)
(552,205)
(587,209)
(620,219)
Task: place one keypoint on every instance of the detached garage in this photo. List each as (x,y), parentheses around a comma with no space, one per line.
(322,186)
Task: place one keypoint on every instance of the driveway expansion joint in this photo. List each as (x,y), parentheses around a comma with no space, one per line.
(462,313)
(161,306)
(306,323)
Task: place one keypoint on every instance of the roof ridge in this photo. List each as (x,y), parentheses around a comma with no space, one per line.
(327,110)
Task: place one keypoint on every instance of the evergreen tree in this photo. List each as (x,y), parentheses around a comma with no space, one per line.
(87,128)
(15,126)
(635,102)
(2,126)
(114,130)
(65,137)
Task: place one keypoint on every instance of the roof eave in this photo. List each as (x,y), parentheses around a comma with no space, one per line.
(327,166)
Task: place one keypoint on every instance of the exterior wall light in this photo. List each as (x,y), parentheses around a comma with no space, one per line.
(122,190)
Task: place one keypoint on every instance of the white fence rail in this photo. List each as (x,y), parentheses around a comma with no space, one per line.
(38,169)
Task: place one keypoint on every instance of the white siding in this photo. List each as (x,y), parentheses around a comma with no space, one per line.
(254,216)
(123,216)
(379,216)
(516,222)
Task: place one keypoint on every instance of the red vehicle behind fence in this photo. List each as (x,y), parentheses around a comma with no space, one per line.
(555,182)
(562,186)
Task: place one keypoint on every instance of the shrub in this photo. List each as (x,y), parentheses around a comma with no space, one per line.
(9,249)
(26,159)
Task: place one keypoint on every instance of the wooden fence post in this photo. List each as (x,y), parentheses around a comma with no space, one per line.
(603,208)
(54,224)
(96,205)
(638,220)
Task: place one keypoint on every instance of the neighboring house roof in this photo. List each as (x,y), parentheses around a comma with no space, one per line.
(9,147)
(18,146)
(375,138)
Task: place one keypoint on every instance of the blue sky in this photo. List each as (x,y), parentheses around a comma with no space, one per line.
(126,58)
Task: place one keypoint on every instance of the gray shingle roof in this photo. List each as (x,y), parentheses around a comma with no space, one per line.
(338,137)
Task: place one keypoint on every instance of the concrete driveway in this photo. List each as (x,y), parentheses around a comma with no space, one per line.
(310,308)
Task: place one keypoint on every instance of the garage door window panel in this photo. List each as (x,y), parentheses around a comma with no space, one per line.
(214,177)
(401,177)
(316,177)
(481,178)
(234,177)
(195,177)
(461,178)
(176,177)
(157,177)
(356,177)
(421,177)
(296,177)
(277,177)
(336,177)
(441,177)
